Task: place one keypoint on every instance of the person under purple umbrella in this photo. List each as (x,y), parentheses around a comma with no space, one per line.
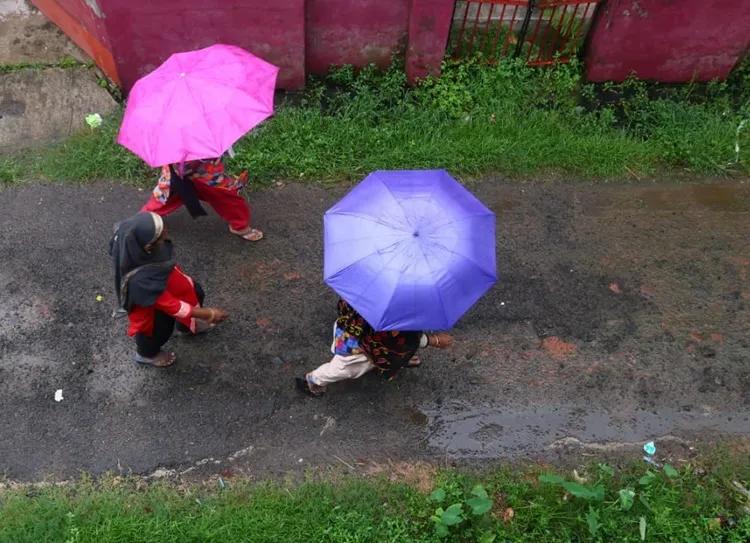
(358,349)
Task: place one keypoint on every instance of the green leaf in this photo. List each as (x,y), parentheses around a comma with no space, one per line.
(453,515)
(438,495)
(643,528)
(441,530)
(609,470)
(647,479)
(479,492)
(627,498)
(598,493)
(479,506)
(592,520)
(487,538)
(644,501)
(551,479)
(578,490)
(670,472)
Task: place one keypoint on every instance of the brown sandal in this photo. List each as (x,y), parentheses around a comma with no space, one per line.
(306,386)
(250,234)
(162,360)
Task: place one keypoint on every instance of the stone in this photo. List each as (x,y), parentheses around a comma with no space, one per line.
(42,106)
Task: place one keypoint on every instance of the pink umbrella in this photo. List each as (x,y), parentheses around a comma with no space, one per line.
(197,104)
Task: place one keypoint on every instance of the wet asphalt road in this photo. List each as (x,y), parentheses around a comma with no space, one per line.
(621,315)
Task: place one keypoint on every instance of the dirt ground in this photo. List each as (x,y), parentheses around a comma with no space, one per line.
(621,316)
(27,36)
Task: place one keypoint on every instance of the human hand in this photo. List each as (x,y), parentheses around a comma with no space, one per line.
(218,315)
(441,341)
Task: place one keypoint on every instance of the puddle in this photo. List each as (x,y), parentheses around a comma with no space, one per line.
(416,416)
(501,206)
(492,432)
(713,197)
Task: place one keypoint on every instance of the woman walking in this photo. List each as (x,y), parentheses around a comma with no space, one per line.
(154,291)
(199,181)
(357,349)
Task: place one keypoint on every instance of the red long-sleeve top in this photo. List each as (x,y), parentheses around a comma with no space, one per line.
(178,301)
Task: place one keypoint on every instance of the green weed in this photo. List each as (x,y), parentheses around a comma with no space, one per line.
(632,503)
(474,120)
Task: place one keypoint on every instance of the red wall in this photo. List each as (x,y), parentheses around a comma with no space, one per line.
(129,38)
(87,30)
(429,27)
(357,32)
(145,32)
(670,41)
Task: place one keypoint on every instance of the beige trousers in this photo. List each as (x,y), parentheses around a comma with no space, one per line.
(341,368)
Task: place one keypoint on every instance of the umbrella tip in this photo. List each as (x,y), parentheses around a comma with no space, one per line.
(415,234)
(182,74)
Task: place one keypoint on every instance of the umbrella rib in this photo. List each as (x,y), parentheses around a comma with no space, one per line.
(369,218)
(434,226)
(432,272)
(203,109)
(377,277)
(454,252)
(366,256)
(160,133)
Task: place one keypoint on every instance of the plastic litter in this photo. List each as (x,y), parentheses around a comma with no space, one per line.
(652,461)
(58,395)
(99,297)
(650,448)
(94,120)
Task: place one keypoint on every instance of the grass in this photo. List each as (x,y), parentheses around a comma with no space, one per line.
(65,63)
(475,120)
(634,503)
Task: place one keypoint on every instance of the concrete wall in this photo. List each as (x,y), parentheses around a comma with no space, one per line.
(666,40)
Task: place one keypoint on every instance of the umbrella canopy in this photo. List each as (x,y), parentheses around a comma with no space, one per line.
(410,250)
(197,104)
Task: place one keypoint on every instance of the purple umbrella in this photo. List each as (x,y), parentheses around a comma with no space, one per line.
(410,250)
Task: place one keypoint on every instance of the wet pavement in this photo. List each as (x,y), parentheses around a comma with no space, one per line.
(621,316)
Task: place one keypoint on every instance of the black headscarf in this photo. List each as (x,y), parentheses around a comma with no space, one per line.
(141,273)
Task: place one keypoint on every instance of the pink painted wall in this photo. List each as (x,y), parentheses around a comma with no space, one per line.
(357,32)
(144,33)
(670,41)
(129,38)
(429,27)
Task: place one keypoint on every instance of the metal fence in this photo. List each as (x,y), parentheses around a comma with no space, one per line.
(541,32)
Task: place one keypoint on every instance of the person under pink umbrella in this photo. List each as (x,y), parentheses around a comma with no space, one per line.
(204,181)
(185,115)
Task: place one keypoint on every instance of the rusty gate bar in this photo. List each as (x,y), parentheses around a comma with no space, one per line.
(524,28)
(470,23)
(543,32)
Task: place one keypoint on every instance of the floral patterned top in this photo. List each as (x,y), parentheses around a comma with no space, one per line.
(211,172)
(388,351)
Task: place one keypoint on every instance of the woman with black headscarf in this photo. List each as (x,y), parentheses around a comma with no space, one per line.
(154,291)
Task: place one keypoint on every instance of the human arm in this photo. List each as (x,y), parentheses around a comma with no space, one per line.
(441,341)
(178,309)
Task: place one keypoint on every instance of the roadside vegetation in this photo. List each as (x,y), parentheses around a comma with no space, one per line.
(477,119)
(703,501)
